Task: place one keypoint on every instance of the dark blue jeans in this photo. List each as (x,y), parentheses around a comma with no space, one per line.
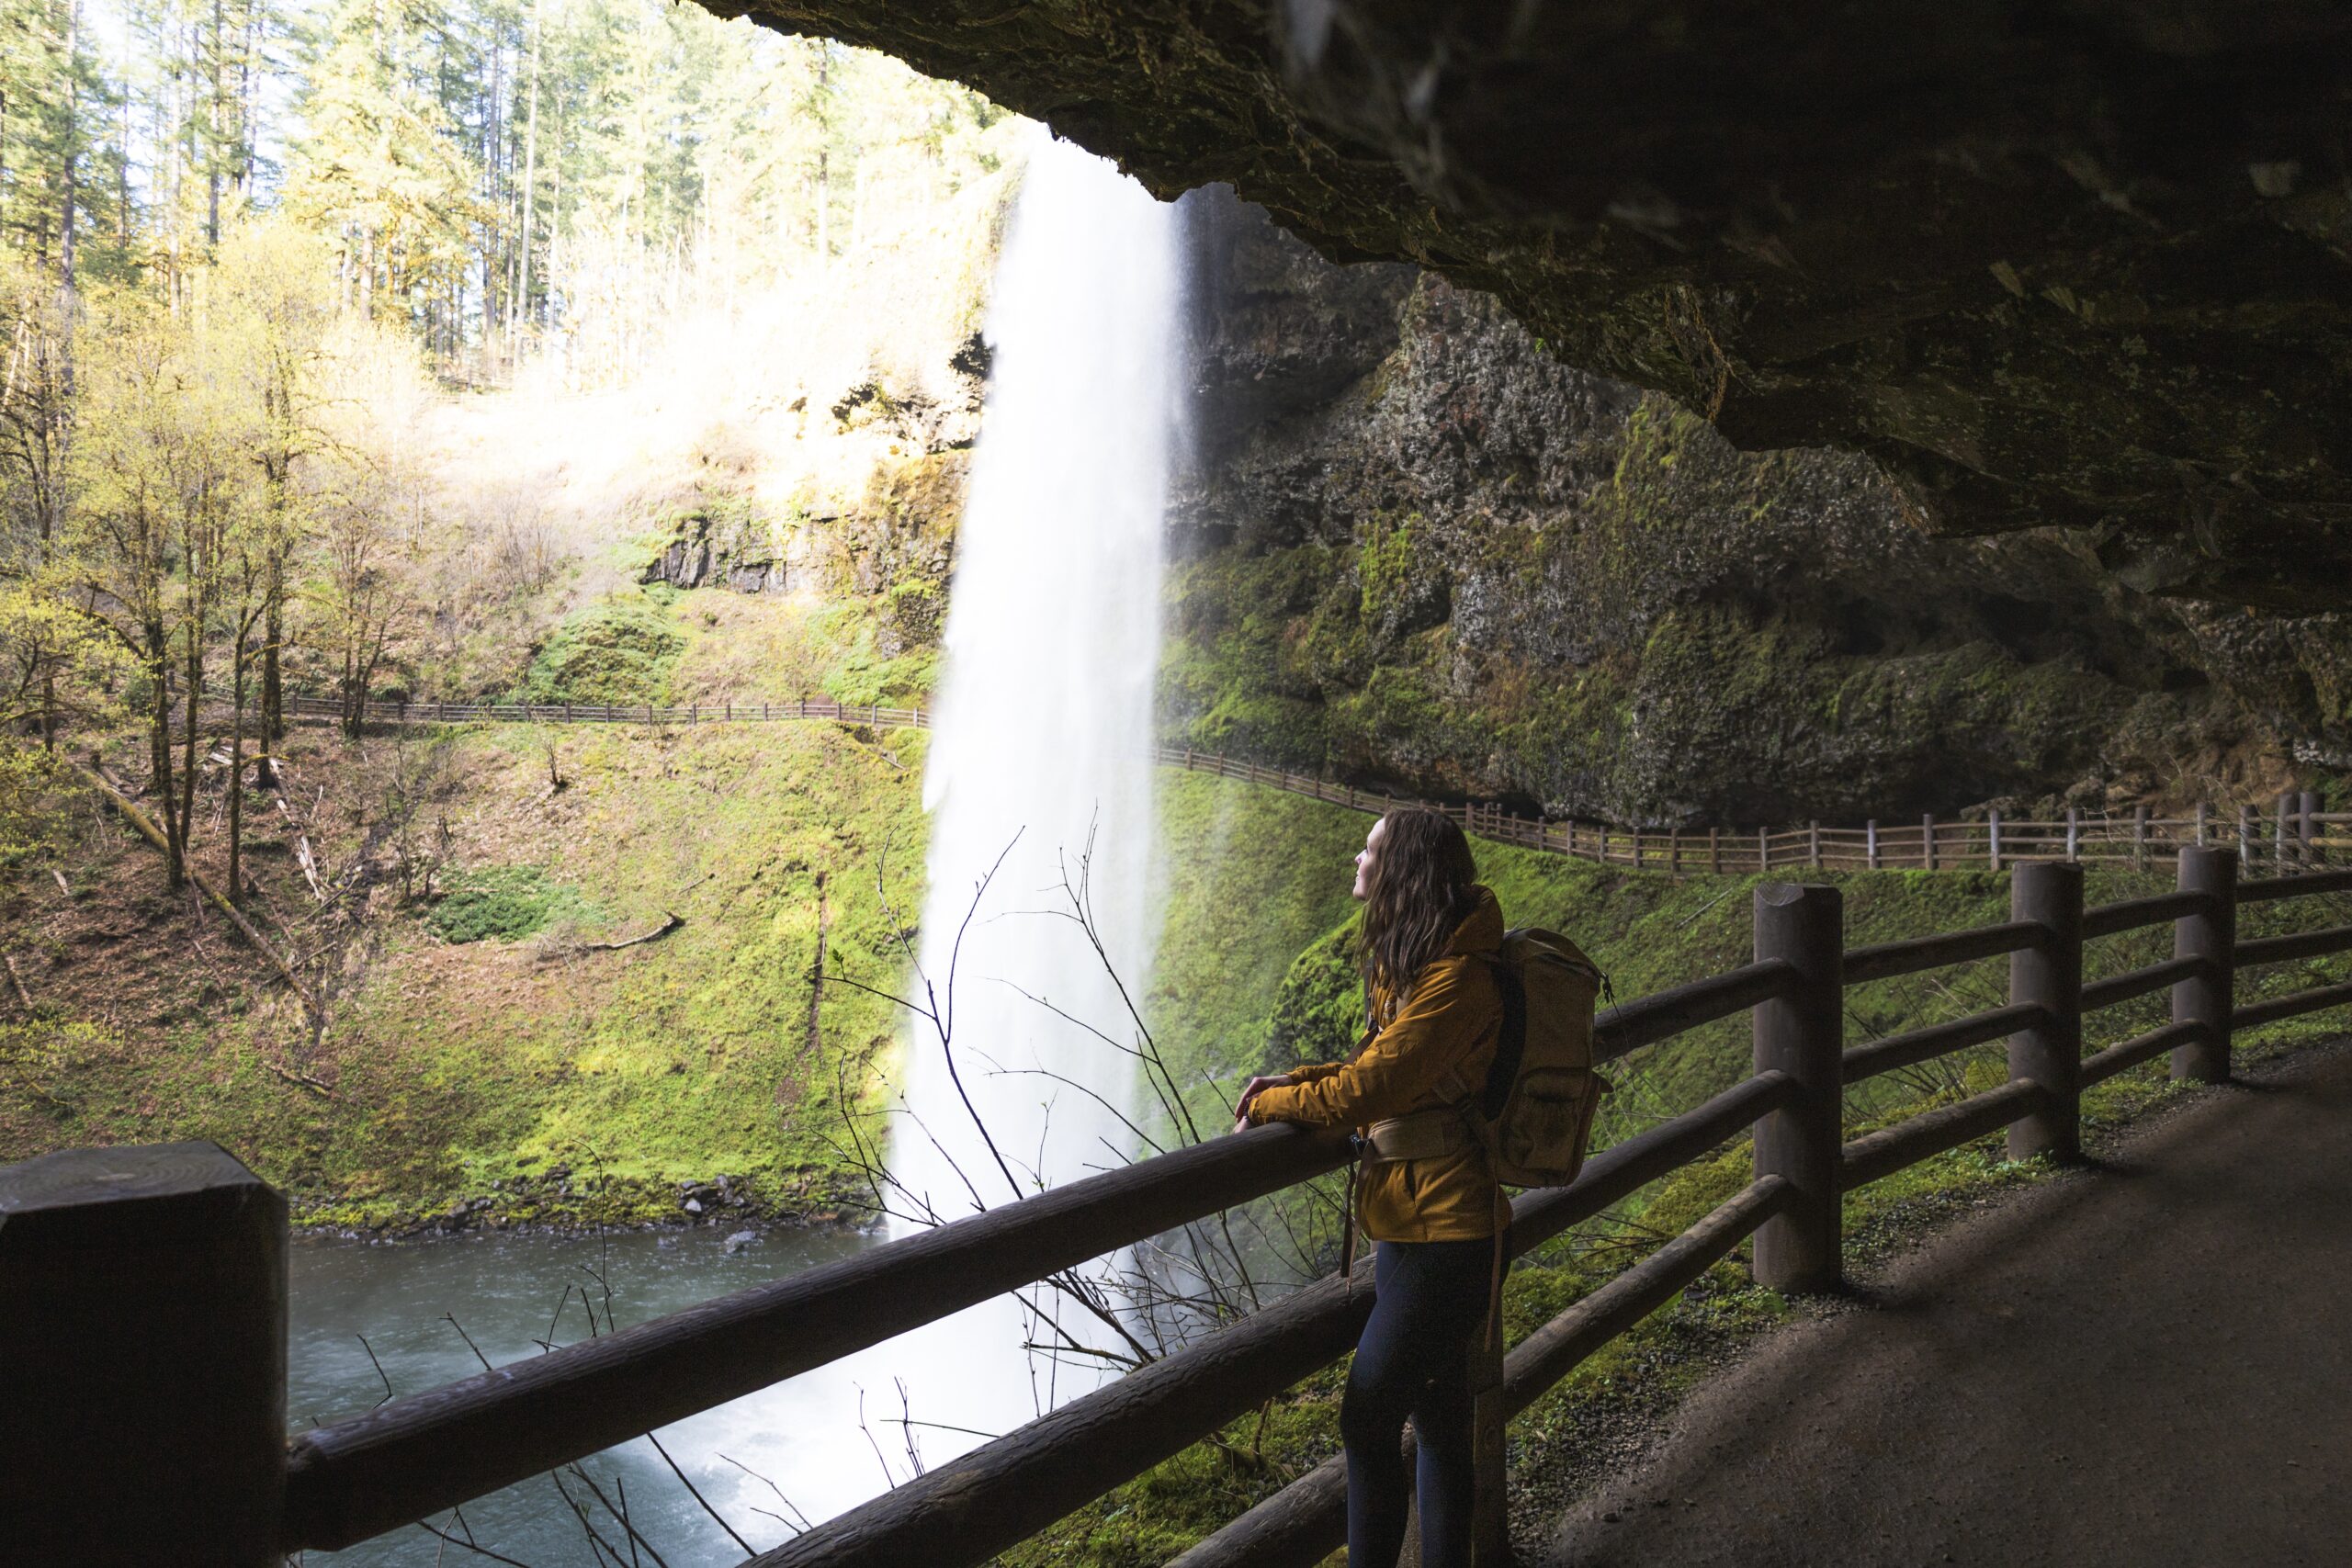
(1414,1359)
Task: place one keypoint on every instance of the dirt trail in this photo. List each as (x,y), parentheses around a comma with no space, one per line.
(2144,1366)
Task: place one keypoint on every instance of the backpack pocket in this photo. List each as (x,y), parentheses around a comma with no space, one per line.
(1544,1129)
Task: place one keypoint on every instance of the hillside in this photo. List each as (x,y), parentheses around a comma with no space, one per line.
(479,1039)
(476,1033)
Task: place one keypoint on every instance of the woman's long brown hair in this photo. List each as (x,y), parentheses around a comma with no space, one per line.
(1419,892)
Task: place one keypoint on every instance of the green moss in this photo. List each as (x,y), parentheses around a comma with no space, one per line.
(505,902)
(618,650)
(705,1053)
(1237,916)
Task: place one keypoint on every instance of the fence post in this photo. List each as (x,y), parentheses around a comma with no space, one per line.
(2139,838)
(2279,836)
(1802,1034)
(1674,850)
(1869,844)
(1715,852)
(2210,935)
(2248,836)
(2309,828)
(2204,822)
(1993,836)
(142,1357)
(1638,848)
(2074,833)
(2049,973)
(1813,844)
(1928,840)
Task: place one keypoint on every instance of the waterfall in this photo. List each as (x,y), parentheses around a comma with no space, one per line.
(1042,747)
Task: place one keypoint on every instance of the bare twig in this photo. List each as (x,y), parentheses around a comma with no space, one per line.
(448,1539)
(452,1320)
(698,1495)
(780,1497)
(377,1364)
(620,1514)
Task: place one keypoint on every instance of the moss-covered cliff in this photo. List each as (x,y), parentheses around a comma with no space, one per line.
(1413,547)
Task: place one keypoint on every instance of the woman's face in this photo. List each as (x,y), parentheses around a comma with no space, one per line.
(1366,857)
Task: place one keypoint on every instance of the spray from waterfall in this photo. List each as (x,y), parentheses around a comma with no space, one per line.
(1039,779)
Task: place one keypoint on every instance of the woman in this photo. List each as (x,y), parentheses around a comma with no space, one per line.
(1427,1194)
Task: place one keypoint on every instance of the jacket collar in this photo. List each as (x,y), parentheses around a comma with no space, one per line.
(1481,931)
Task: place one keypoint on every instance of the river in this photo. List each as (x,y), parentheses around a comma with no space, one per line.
(507,1292)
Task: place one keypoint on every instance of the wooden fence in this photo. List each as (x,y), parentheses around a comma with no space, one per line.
(142,1290)
(2290,833)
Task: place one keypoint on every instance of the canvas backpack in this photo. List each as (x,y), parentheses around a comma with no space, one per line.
(1541,1093)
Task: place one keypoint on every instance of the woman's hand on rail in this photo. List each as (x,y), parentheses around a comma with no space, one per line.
(1249,1092)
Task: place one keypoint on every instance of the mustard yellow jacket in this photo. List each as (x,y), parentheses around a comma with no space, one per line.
(1435,1051)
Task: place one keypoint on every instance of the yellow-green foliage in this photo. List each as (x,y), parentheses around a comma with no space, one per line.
(688,1056)
(619,650)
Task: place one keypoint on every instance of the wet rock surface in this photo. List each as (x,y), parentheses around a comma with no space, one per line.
(1414,548)
(2088,265)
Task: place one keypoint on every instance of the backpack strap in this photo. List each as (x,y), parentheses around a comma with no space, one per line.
(1511,1047)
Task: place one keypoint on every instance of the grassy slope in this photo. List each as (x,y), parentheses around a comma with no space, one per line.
(1253,878)
(448,1066)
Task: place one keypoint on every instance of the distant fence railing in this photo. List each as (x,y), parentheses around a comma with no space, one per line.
(2292,833)
(142,1290)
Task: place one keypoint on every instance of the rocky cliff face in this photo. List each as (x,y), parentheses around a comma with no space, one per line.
(1413,546)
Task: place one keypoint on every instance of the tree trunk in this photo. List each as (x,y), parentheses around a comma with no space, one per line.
(189,744)
(235,889)
(159,752)
(520,309)
(273,690)
(212,151)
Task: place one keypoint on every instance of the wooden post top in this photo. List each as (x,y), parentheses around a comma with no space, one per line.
(78,1178)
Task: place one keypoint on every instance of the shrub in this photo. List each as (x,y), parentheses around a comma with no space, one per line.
(618,650)
(507,902)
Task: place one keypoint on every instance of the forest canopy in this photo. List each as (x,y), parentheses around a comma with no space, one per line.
(248,250)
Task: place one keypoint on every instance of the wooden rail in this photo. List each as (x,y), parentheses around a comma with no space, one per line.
(140,1210)
(2295,838)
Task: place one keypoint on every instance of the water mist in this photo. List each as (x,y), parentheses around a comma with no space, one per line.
(1040,771)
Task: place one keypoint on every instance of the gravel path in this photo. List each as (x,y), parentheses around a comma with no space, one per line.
(2146,1365)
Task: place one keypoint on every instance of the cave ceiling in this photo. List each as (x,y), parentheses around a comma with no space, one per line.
(2086,263)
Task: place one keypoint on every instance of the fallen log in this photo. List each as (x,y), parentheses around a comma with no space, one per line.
(670,922)
(148,829)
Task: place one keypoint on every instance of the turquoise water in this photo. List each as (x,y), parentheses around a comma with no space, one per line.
(507,1292)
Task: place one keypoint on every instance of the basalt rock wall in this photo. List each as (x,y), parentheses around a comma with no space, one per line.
(1411,546)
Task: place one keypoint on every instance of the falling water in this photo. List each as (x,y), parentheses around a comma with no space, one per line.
(1039,781)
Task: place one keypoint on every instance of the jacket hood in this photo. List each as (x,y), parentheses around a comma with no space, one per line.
(1481,930)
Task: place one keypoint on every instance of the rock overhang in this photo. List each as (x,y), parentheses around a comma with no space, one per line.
(2086,264)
